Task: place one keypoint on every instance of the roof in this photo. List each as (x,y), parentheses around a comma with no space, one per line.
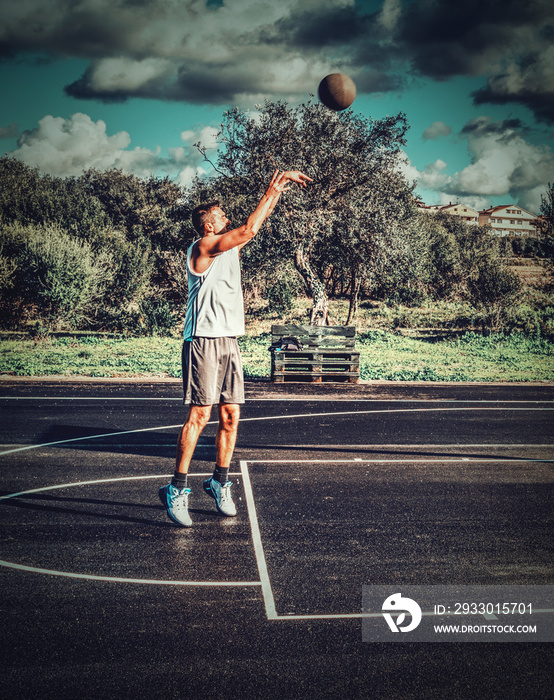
(493,210)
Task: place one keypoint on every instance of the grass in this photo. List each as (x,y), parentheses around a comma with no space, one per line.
(384,355)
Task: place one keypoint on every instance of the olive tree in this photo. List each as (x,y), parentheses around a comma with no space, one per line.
(357,193)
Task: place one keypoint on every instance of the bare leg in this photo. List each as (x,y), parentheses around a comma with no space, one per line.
(229,414)
(188,437)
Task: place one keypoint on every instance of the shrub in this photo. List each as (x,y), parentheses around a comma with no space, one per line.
(282,292)
(158,316)
(58,278)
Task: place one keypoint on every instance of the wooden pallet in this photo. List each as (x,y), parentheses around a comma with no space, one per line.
(327,355)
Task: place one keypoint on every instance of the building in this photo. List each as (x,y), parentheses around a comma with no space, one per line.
(509,220)
(461,211)
(504,220)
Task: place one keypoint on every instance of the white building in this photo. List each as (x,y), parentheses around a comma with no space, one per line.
(461,211)
(509,220)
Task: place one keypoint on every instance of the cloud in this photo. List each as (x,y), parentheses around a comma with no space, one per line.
(68,147)
(240,50)
(432,177)
(9,132)
(503,165)
(529,81)
(482,38)
(436,131)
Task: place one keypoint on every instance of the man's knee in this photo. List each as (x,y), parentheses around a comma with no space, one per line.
(199,416)
(229,415)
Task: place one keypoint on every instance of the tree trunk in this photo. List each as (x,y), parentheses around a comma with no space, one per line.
(316,289)
(354,292)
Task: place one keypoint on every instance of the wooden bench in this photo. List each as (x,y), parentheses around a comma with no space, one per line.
(327,354)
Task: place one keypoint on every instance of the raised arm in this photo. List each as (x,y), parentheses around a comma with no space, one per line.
(210,246)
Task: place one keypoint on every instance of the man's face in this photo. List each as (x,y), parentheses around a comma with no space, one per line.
(220,222)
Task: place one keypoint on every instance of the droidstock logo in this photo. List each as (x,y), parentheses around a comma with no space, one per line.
(396,603)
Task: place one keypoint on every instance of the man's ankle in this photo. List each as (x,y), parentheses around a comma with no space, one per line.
(179,480)
(221,474)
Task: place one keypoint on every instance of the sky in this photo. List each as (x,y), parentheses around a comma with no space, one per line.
(134,84)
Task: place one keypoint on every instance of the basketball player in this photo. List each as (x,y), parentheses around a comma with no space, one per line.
(212,369)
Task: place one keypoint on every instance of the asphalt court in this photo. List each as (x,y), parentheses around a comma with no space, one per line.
(335,490)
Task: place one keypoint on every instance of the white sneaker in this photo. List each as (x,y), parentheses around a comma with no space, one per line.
(177,504)
(222,496)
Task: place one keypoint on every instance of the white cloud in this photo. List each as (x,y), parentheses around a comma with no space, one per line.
(127,75)
(504,166)
(436,131)
(432,177)
(206,136)
(68,147)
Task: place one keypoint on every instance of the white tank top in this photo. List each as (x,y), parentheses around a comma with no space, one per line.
(215,307)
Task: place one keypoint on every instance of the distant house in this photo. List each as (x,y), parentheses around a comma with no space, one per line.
(509,220)
(461,211)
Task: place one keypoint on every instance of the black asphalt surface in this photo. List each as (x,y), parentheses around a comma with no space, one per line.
(104,597)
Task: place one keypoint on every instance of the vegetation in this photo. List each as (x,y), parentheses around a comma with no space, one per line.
(102,251)
(383,356)
(105,252)
(350,212)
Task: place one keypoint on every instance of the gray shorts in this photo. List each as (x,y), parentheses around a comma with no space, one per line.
(212,371)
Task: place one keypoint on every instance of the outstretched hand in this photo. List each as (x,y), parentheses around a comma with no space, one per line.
(298,177)
(281,179)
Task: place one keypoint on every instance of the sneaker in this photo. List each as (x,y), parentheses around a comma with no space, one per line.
(177,504)
(222,496)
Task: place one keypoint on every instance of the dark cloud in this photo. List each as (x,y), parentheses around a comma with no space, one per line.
(529,82)
(216,52)
(9,132)
(489,38)
(322,29)
(483,125)
(445,38)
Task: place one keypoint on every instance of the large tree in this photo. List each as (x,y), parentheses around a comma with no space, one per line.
(545,222)
(357,194)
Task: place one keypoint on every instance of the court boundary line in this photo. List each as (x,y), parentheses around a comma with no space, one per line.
(278,417)
(265,582)
(267,589)
(115,579)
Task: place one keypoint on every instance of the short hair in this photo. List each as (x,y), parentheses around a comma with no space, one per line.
(201,215)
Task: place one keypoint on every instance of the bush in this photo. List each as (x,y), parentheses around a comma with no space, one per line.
(282,293)
(59,278)
(158,316)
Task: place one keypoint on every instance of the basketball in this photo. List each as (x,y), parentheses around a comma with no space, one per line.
(337,91)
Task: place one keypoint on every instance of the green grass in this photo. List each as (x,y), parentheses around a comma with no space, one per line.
(383,356)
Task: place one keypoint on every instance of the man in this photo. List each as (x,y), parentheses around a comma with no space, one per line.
(212,368)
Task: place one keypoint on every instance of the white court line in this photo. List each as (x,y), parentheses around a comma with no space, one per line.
(260,557)
(340,616)
(100,481)
(278,417)
(89,437)
(117,579)
(267,591)
(362,461)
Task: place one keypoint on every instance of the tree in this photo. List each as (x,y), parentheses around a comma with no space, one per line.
(29,198)
(545,224)
(357,193)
